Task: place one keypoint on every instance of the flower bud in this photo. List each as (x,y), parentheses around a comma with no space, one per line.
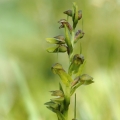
(79,14)
(63,23)
(65,78)
(86,79)
(68,12)
(75,64)
(56,67)
(79,34)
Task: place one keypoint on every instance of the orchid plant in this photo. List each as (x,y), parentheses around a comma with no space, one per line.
(73,78)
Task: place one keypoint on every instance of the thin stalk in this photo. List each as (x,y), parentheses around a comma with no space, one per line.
(82,23)
(67,18)
(75,108)
(73,36)
(80,49)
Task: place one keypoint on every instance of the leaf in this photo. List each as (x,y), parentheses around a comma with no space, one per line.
(55,41)
(57,48)
(65,78)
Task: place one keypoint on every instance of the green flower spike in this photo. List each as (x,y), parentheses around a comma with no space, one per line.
(71,80)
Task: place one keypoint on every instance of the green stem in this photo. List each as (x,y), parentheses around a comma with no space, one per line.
(75,108)
(67,102)
(67,18)
(67,91)
(73,36)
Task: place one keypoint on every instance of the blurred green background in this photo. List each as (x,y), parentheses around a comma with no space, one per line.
(25,75)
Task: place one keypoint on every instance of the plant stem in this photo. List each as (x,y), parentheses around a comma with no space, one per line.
(72,39)
(67,102)
(75,108)
(67,92)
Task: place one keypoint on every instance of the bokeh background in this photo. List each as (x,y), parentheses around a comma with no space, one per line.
(25,75)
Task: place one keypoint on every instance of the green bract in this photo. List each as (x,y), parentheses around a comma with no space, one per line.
(65,78)
(57,93)
(55,41)
(57,48)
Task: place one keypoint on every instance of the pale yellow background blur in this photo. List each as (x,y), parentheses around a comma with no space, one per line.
(25,75)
